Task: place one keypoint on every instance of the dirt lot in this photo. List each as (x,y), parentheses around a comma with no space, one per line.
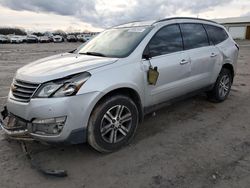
(193,143)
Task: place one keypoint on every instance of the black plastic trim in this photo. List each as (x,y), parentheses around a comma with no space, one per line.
(187,18)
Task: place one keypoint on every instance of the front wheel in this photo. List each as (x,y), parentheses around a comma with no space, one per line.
(222,86)
(112,124)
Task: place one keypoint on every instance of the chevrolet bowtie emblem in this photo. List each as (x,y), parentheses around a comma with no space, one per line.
(13,87)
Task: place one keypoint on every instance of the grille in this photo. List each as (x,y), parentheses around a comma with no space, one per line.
(22,91)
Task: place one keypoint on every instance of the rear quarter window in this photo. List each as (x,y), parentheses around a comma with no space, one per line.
(194,35)
(216,34)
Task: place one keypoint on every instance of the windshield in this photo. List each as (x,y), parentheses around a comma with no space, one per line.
(118,43)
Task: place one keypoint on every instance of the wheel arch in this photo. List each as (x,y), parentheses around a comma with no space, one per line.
(127,91)
(229,67)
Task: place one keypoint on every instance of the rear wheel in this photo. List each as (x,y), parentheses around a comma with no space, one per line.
(222,86)
(112,124)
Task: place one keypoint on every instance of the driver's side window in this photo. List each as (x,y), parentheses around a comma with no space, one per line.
(166,40)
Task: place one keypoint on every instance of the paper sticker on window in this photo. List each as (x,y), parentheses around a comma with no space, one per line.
(136,30)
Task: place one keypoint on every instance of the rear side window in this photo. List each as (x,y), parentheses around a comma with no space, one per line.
(216,34)
(166,40)
(194,36)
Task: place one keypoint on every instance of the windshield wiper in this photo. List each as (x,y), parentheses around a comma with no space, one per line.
(94,54)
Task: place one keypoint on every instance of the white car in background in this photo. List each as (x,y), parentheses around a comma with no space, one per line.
(4,39)
(16,39)
(58,38)
(24,38)
(44,39)
(81,38)
(71,38)
(84,37)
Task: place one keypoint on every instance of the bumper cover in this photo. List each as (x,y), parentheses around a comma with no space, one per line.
(15,132)
(76,108)
(22,134)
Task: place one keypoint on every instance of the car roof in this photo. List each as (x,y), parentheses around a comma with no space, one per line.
(155,22)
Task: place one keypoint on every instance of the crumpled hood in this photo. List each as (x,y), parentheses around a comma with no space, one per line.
(59,66)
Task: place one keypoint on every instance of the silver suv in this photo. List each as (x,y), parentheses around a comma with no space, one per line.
(99,92)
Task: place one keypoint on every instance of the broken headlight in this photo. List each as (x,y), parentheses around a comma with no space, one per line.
(63,87)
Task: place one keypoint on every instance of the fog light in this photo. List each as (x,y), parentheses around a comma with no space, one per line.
(51,126)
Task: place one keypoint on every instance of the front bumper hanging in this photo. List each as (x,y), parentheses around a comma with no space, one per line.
(15,127)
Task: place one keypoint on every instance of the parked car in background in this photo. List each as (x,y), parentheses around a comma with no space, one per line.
(101,91)
(15,39)
(71,38)
(49,35)
(58,38)
(81,38)
(4,39)
(51,38)
(44,39)
(24,38)
(84,37)
(87,37)
(32,39)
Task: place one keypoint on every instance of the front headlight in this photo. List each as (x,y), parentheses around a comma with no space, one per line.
(63,87)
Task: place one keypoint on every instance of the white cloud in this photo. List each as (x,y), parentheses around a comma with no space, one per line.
(42,21)
(103,13)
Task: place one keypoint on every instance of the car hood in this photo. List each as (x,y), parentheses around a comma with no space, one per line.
(60,66)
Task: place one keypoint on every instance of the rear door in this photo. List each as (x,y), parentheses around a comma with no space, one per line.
(166,50)
(203,55)
(228,50)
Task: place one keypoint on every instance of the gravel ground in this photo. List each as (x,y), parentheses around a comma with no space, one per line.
(193,143)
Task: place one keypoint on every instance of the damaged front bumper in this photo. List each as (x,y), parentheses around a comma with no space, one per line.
(19,129)
(50,120)
(16,128)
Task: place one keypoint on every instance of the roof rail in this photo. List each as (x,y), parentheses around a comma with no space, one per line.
(134,22)
(172,18)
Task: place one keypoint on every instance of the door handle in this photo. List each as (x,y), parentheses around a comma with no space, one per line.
(213,55)
(183,62)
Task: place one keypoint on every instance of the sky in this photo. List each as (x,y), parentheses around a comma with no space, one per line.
(96,15)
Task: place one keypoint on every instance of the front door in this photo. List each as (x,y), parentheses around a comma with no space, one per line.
(174,66)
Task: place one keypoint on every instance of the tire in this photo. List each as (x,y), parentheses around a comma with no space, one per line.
(112,123)
(222,87)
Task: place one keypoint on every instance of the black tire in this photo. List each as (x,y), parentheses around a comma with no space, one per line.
(216,95)
(100,121)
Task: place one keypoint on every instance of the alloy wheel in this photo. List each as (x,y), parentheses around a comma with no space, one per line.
(224,86)
(116,124)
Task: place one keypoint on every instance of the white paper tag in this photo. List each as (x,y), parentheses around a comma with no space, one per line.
(136,30)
